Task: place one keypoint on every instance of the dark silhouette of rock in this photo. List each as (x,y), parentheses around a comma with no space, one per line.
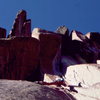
(63,30)
(21,26)
(49,48)
(94,36)
(2,33)
(27,29)
(19,58)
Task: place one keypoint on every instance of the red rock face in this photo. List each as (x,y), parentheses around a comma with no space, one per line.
(23,57)
(19,58)
(49,46)
(22,26)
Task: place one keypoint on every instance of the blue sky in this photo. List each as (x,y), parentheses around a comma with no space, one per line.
(81,15)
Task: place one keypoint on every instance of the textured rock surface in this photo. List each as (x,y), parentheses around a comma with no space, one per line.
(76,35)
(19,58)
(90,93)
(50,44)
(86,74)
(23,90)
(27,56)
(21,26)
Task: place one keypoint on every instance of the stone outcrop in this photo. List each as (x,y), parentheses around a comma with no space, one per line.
(57,58)
(86,74)
(23,90)
(21,26)
(49,48)
(76,35)
(19,58)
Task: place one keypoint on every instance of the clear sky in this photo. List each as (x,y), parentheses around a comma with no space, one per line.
(81,15)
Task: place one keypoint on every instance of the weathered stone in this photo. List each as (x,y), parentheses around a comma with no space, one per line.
(98,61)
(76,35)
(88,35)
(19,59)
(36,33)
(86,74)
(63,30)
(94,36)
(85,80)
(21,26)
(2,33)
(49,45)
(23,90)
(50,78)
(27,29)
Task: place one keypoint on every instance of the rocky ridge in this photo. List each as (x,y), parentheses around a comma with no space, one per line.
(43,55)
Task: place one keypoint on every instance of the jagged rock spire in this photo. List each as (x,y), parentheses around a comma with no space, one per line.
(21,26)
(63,30)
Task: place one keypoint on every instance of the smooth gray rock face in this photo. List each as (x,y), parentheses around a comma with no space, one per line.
(23,90)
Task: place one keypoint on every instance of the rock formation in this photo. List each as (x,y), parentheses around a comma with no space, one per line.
(23,90)
(86,74)
(21,26)
(49,48)
(48,56)
(19,58)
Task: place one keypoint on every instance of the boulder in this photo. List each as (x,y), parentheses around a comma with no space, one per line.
(86,74)
(63,31)
(90,93)
(23,90)
(27,28)
(85,80)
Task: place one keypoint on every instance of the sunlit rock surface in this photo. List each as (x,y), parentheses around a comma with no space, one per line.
(48,56)
(23,90)
(86,74)
(76,35)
